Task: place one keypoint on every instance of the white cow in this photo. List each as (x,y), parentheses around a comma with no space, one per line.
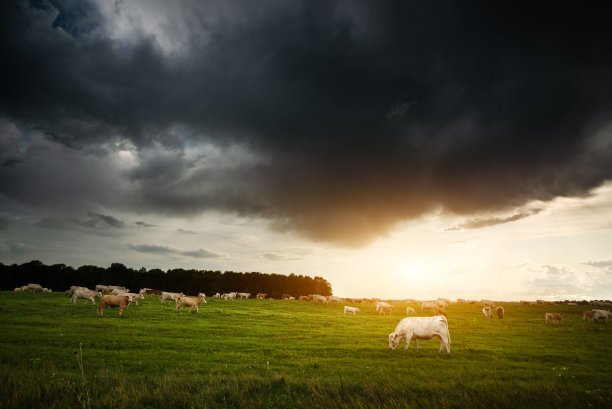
(427,305)
(133,296)
(350,309)
(601,315)
(84,293)
(165,295)
(319,298)
(421,328)
(229,296)
(487,312)
(380,304)
(410,311)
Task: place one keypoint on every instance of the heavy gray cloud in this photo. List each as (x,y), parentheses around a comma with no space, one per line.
(168,250)
(480,223)
(330,118)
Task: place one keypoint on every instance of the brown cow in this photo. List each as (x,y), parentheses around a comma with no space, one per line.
(304,298)
(588,315)
(500,312)
(261,296)
(191,302)
(121,301)
(439,311)
(286,296)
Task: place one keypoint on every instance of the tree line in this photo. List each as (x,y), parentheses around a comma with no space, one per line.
(59,277)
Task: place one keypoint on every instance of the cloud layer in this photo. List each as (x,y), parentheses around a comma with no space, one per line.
(331,118)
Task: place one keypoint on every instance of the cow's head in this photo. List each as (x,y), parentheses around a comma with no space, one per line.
(394,339)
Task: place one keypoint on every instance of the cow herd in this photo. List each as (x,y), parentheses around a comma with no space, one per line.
(408,329)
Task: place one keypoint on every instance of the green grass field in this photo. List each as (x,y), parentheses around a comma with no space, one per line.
(285,354)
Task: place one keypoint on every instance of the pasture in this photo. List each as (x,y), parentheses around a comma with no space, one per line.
(286,354)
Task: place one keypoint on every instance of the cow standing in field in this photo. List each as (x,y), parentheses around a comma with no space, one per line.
(319,298)
(261,296)
(191,302)
(410,311)
(113,301)
(170,296)
(380,304)
(386,310)
(488,303)
(487,312)
(427,305)
(421,328)
(601,315)
(350,309)
(439,311)
(84,293)
(587,315)
(553,317)
(500,312)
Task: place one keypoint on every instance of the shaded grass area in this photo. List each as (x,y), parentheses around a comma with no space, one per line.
(277,354)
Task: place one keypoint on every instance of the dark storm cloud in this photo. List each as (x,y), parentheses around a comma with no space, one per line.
(144,224)
(364,114)
(480,223)
(167,250)
(601,264)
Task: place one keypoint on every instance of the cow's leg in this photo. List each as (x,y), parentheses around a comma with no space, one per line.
(417,343)
(408,338)
(73,298)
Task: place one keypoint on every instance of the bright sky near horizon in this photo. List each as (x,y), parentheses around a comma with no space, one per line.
(394,149)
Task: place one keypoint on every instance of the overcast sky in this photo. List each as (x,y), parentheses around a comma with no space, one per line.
(400,149)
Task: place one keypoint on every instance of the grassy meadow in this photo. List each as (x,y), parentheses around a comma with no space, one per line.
(286,354)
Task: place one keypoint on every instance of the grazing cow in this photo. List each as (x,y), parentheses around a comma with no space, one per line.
(350,309)
(113,301)
(149,291)
(84,293)
(421,328)
(319,298)
(165,295)
(229,296)
(262,296)
(110,288)
(410,311)
(429,305)
(386,309)
(102,288)
(587,315)
(380,304)
(243,296)
(333,298)
(487,312)
(133,296)
(601,315)
(441,304)
(303,298)
(349,300)
(439,311)
(488,303)
(500,312)
(190,301)
(285,296)
(553,317)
